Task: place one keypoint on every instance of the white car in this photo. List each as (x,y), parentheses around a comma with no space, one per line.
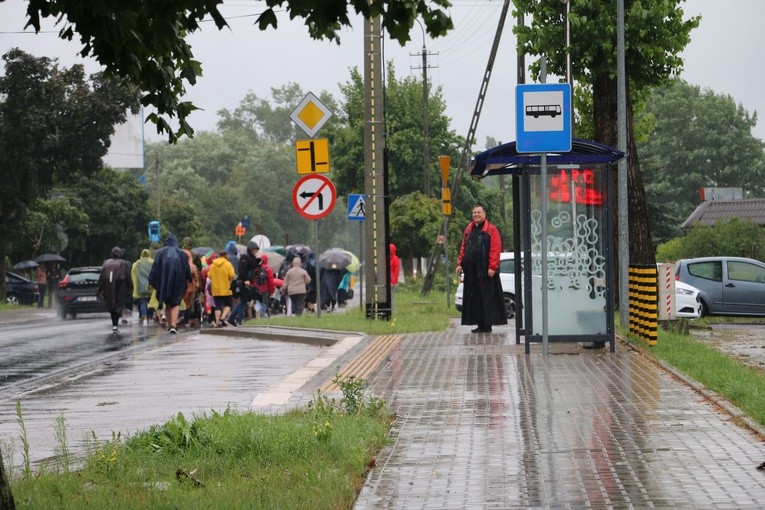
(687,303)
(506,276)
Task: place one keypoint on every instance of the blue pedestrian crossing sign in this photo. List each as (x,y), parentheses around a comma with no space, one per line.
(356,205)
(543,117)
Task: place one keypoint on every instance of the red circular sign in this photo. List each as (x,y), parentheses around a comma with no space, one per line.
(314,196)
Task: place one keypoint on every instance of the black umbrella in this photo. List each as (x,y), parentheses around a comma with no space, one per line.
(300,250)
(335,258)
(49,257)
(25,264)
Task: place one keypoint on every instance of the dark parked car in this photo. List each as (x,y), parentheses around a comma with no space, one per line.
(19,290)
(77,292)
(727,285)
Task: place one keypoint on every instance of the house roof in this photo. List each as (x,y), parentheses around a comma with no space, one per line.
(709,212)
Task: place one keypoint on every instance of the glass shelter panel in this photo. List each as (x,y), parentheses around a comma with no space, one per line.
(576,250)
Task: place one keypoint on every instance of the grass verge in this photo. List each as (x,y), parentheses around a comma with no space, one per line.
(742,386)
(412,313)
(313,458)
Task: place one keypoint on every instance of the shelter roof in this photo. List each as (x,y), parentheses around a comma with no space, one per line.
(505,159)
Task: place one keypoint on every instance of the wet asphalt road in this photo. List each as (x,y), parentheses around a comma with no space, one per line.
(33,352)
(100,383)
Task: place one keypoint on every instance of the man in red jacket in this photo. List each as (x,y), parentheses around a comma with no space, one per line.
(482,302)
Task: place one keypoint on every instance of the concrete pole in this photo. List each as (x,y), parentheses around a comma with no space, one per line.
(623,219)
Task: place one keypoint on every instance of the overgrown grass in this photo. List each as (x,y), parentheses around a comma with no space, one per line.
(412,313)
(742,386)
(313,458)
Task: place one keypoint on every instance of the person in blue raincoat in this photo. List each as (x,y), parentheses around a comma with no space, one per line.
(169,276)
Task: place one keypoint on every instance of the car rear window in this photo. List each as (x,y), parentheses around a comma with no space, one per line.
(86,277)
(711,270)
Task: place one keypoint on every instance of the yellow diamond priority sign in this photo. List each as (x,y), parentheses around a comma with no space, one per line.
(310,114)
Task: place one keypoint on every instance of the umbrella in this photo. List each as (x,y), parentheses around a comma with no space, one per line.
(49,257)
(242,249)
(202,251)
(276,248)
(335,258)
(300,250)
(25,264)
(355,264)
(274,260)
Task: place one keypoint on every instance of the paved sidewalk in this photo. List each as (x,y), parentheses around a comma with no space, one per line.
(482,425)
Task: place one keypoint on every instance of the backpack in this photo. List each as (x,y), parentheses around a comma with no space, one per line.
(261,277)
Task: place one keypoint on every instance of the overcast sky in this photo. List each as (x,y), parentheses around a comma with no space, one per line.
(724,55)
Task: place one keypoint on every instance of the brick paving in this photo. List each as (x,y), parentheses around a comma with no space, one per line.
(482,425)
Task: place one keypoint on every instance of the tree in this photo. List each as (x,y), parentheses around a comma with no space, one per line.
(727,238)
(115,205)
(701,139)
(143,42)
(655,34)
(404,135)
(54,127)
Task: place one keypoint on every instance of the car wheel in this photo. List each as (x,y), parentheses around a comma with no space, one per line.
(510,306)
(12,299)
(62,313)
(73,315)
(704,308)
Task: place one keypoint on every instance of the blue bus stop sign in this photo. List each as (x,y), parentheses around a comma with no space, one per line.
(543,117)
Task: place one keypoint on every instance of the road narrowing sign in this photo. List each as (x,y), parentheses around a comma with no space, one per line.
(314,196)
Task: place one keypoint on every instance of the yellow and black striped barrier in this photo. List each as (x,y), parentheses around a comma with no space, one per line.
(643,295)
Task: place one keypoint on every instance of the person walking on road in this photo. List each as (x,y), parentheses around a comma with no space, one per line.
(221,274)
(483,303)
(53,275)
(245,275)
(114,284)
(141,290)
(42,280)
(169,276)
(295,285)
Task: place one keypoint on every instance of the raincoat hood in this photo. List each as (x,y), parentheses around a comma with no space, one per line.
(392,248)
(171,241)
(145,254)
(264,259)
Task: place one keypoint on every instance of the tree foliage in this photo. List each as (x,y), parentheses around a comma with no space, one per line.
(655,34)
(144,42)
(701,139)
(727,238)
(404,138)
(55,126)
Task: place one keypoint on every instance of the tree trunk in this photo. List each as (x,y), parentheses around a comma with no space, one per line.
(641,248)
(6,496)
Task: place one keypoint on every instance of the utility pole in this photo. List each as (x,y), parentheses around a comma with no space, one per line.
(159,189)
(425,115)
(376,270)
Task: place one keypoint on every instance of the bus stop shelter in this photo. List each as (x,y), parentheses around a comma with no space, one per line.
(579,199)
